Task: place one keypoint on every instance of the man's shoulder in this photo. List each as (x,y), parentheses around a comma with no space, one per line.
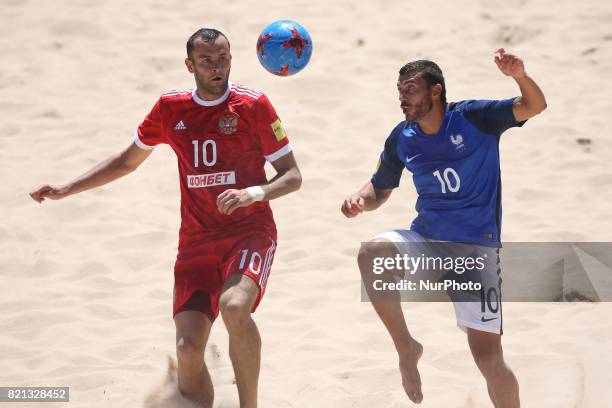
(491,116)
(247,94)
(173,101)
(476,105)
(475,111)
(398,129)
(393,138)
(176,96)
(465,105)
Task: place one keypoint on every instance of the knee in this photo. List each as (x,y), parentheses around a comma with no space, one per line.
(371,250)
(234,310)
(188,350)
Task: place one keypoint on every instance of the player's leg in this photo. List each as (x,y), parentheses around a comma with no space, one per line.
(192,331)
(390,312)
(237,299)
(195,285)
(482,319)
(489,357)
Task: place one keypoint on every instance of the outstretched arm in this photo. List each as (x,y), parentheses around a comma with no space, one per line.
(109,170)
(367,198)
(288,179)
(532,100)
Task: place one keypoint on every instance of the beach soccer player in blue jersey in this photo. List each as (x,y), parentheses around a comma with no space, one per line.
(452,151)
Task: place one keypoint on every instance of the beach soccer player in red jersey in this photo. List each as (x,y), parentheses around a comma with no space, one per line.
(222,134)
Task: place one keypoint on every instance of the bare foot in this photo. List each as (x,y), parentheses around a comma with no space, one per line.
(411,379)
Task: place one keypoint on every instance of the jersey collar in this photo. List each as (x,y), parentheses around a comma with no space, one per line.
(419,131)
(214,102)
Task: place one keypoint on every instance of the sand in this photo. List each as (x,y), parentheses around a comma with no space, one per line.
(86,283)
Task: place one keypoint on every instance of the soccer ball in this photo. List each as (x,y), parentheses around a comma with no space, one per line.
(284,48)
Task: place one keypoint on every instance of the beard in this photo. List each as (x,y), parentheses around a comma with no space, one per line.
(419,110)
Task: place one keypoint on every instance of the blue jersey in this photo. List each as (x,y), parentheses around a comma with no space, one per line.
(456,171)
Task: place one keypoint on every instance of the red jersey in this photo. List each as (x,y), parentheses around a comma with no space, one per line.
(221,144)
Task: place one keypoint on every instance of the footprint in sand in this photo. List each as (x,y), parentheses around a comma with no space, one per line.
(514,34)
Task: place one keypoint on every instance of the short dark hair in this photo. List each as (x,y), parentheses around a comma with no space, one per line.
(206,35)
(429,71)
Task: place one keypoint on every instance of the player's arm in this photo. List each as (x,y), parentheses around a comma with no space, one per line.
(532,100)
(368,198)
(109,170)
(287,179)
(386,177)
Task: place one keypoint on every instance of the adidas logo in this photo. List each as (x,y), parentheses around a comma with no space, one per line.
(180,126)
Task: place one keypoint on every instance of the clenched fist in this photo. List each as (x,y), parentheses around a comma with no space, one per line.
(52,193)
(353,206)
(230,200)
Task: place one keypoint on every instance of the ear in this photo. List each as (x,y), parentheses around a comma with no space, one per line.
(189,65)
(436,90)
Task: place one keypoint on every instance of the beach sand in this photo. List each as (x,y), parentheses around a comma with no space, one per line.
(86,283)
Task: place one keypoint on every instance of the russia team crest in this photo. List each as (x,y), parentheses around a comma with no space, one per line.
(228,124)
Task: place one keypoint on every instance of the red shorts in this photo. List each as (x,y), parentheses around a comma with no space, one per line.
(201,270)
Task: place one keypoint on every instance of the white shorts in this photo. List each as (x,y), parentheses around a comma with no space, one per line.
(484,312)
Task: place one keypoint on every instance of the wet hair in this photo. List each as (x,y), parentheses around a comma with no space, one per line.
(206,35)
(429,71)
